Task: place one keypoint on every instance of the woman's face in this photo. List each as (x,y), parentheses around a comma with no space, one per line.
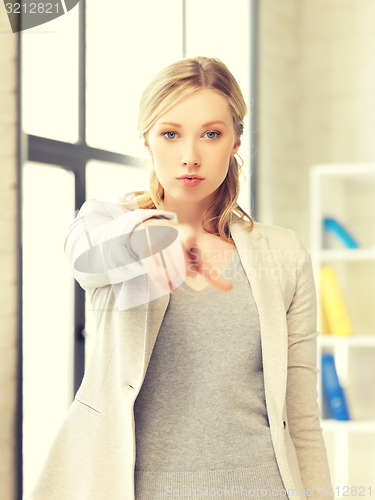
(195,137)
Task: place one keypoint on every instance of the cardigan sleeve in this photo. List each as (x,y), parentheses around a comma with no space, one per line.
(301,397)
(97,244)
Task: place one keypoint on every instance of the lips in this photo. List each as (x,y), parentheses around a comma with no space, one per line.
(190,182)
(190,177)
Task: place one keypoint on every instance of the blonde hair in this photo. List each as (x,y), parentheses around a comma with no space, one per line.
(169,86)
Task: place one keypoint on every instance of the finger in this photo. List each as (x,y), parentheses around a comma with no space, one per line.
(214,278)
(182,255)
(221,284)
(187,236)
(194,260)
(175,263)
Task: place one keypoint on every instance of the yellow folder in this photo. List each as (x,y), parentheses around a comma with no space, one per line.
(333,304)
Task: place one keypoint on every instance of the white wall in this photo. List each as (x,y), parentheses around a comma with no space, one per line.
(316,98)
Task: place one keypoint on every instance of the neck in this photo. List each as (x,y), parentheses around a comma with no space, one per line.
(188,213)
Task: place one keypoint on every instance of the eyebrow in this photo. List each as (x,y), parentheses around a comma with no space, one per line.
(178,125)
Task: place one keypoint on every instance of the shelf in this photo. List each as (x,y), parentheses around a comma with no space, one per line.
(329,424)
(346,192)
(343,169)
(354,254)
(328,340)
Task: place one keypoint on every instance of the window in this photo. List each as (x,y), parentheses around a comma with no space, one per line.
(126,45)
(49,76)
(48,303)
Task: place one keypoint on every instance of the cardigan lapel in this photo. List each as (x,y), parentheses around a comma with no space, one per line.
(261,270)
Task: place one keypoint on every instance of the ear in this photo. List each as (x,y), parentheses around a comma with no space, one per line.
(236,147)
(146,144)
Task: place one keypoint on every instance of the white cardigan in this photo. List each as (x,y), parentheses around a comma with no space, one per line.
(93,455)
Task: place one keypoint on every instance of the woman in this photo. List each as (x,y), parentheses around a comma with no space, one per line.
(191,392)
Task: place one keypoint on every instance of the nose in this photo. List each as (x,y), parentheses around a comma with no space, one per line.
(190,156)
(191,163)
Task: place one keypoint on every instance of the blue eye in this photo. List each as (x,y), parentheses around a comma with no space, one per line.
(170,135)
(212,134)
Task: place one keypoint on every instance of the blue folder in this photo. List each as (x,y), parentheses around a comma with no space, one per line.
(332,389)
(337,229)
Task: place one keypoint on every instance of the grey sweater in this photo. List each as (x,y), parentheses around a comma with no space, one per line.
(201,419)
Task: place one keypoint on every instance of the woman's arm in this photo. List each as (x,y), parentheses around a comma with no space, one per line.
(301,398)
(97,244)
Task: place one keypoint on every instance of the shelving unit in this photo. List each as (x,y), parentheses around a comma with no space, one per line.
(347,193)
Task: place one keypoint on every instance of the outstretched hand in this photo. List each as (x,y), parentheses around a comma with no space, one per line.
(180,259)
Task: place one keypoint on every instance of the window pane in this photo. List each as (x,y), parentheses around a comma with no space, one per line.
(103,180)
(226,36)
(50,78)
(48,201)
(127,45)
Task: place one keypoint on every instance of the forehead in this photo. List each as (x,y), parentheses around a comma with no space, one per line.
(202,106)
